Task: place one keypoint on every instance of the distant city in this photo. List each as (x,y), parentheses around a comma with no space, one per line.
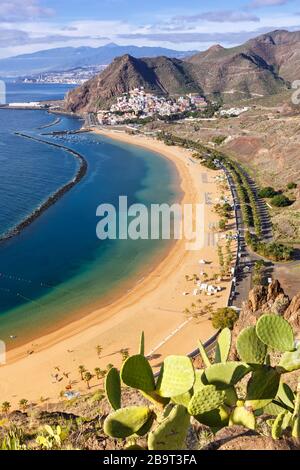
(76,76)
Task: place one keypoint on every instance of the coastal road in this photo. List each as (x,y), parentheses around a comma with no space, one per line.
(245,258)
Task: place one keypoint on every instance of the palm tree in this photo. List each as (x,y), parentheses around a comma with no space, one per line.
(81,370)
(23,404)
(87,378)
(5,407)
(98,371)
(125,354)
(99,350)
(102,376)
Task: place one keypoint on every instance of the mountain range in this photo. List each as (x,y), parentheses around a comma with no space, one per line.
(262,66)
(66,58)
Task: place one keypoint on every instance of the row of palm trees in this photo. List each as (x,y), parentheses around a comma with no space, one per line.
(85,376)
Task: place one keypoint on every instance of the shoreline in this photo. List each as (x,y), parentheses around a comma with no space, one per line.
(53,198)
(155,305)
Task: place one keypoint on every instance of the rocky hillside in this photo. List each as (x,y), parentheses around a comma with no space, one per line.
(262,66)
(160,75)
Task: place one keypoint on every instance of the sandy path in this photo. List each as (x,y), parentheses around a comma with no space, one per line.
(155,305)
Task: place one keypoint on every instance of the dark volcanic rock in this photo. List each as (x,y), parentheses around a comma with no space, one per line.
(292,314)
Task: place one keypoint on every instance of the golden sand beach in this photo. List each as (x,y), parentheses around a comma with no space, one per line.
(156,306)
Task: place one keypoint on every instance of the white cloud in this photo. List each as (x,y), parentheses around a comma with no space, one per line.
(16,10)
(267,3)
(220,16)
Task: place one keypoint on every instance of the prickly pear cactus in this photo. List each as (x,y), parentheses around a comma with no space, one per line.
(204,355)
(136,372)
(126,421)
(224,374)
(249,347)
(142,344)
(296,415)
(275,332)
(285,395)
(113,388)
(262,388)
(290,361)
(215,419)
(206,399)
(171,433)
(279,424)
(177,376)
(242,417)
(183,399)
(200,380)
(230,396)
(223,346)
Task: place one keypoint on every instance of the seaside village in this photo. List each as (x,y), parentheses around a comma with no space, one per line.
(140,104)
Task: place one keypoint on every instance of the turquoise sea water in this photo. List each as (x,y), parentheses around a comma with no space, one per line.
(57,266)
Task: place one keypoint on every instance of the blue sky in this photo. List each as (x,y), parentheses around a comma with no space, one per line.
(32,25)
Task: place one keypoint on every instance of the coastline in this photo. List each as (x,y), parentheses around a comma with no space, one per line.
(155,305)
(53,198)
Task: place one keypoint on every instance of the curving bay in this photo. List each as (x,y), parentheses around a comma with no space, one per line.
(56,268)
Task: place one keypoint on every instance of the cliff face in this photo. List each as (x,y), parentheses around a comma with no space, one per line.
(262,66)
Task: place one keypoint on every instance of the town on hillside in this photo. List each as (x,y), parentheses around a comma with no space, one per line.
(143,105)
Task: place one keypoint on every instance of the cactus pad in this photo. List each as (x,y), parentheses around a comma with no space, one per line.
(242,417)
(142,344)
(171,433)
(250,348)
(126,421)
(290,361)
(262,388)
(137,373)
(215,419)
(177,376)
(204,355)
(275,332)
(277,427)
(200,380)
(113,388)
(223,345)
(286,396)
(206,399)
(228,373)
(183,399)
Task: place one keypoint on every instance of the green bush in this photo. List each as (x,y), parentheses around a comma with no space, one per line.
(281,201)
(224,318)
(222,224)
(267,192)
(292,185)
(219,139)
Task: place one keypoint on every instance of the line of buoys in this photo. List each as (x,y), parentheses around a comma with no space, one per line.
(21,279)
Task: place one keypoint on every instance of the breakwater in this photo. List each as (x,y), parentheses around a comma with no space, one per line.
(57,121)
(53,198)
